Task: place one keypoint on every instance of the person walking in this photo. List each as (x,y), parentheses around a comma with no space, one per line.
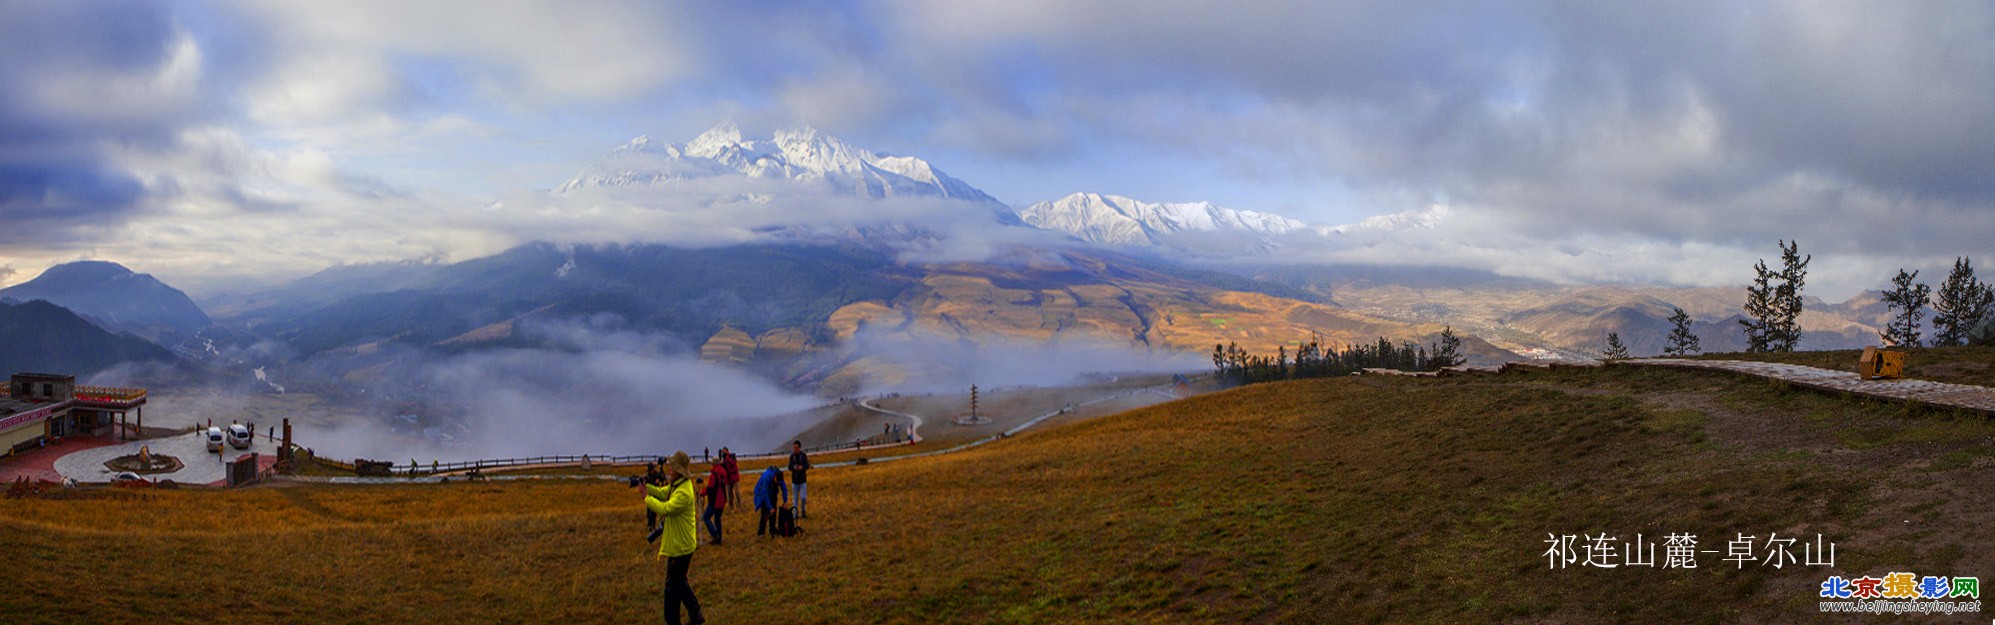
(769,492)
(799,464)
(674,503)
(716,496)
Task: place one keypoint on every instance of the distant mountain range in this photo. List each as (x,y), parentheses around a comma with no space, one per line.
(813,313)
(798,314)
(804,155)
(1117,221)
(115,298)
(1544,319)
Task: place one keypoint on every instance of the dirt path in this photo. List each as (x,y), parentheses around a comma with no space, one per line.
(1936,394)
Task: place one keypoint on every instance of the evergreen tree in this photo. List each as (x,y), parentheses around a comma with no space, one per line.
(1963,305)
(1793,275)
(1909,299)
(1681,341)
(1449,354)
(1615,350)
(1773,302)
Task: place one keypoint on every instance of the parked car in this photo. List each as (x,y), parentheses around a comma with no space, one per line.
(239,436)
(214,439)
(126,476)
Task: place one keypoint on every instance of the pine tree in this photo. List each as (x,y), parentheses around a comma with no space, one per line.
(1909,299)
(1449,354)
(1773,302)
(1964,303)
(1759,309)
(1615,350)
(1793,275)
(1681,341)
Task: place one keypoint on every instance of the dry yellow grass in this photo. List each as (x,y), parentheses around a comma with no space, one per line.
(1346,500)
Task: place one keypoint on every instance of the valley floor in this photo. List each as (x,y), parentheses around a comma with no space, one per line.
(1368,499)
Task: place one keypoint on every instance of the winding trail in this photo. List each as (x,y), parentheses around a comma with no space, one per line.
(913,431)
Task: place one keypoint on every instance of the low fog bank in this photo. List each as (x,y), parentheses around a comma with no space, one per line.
(586,387)
(594,386)
(939,364)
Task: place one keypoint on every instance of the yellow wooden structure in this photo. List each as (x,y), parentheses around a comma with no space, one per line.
(1881,364)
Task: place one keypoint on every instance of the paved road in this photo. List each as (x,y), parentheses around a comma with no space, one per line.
(913,431)
(199,466)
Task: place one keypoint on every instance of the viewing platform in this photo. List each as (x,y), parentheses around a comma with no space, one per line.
(36,408)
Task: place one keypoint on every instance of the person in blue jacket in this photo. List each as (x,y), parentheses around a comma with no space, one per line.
(771,494)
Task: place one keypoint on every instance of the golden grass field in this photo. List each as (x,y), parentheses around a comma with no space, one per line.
(1346,500)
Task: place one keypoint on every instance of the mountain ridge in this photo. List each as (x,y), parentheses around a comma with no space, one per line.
(115,297)
(803,154)
(42,336)
(1120,221)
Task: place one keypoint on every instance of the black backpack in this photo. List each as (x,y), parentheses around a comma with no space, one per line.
(786,522)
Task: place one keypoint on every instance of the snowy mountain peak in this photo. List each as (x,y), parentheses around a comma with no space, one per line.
(810,149)
(711,142)
(1125,222)
(643,144)
(1417,219)
(815,161)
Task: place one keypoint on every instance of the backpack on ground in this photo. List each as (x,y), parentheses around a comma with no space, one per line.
(786,522)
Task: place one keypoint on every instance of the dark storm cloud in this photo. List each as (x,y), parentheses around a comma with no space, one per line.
(40,199)
(78,79)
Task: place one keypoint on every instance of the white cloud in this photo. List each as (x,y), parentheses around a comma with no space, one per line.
(535,51)
(319,88)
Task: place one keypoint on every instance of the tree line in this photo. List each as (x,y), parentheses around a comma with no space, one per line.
(1234,365)
(1964,306)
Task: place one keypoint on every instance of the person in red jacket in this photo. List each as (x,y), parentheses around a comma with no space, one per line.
(716,496)
(733,476)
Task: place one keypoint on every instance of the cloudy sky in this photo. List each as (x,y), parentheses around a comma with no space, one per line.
(224,144)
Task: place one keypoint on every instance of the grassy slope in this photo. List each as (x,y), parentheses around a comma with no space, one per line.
(1346,500)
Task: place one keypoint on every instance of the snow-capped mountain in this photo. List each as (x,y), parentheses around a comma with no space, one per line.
(1123,222)
(803,155)
(1418,219)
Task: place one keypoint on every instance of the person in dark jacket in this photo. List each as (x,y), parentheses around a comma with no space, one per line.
(799,464)
(654,475)
(769,494)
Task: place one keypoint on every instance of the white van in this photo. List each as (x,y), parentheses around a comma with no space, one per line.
(239,436)
(214,439)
